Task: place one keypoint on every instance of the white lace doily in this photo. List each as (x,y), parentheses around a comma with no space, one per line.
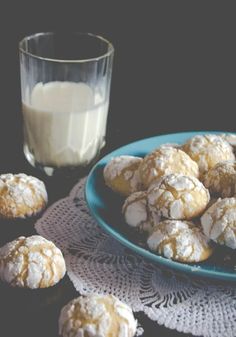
(97,263)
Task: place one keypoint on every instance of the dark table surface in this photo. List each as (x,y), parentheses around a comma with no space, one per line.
(174,70)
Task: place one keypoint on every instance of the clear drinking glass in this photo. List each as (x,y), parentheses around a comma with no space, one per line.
(65,88)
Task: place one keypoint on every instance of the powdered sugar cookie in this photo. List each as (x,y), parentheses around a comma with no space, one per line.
(219,222)
(177,196)
(163,161)
(97,315)
(208,150)
(179,240)
(137,213)
(221,179)
(32,262)
(231,139)
(21,195)
(122,176)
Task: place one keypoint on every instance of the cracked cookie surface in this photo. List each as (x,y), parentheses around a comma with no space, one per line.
(97,315)
(122,176)
(21,195)
(231,139)
(180,241)
(31,262)
(219,222)
(221,179)
(176,196)
(137,213)
(163,161)
(208,150)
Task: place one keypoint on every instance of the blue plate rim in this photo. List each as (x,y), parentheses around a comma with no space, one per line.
(192,269)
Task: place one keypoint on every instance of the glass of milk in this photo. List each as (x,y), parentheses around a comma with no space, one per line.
(65,88)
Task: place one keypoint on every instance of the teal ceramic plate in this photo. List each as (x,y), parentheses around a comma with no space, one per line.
(105,207)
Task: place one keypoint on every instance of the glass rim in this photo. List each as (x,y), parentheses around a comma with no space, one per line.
(92,59)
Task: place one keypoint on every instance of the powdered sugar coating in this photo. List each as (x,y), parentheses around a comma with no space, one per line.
(137,213)
(221,179)
(208,150)
(175,145)
(176,196)
(166,160)
(32,262)
(122,176)
(97,316)
(230,138)
(21,195)
(219,222)
(179,240)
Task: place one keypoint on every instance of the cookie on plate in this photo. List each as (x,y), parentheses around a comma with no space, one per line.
(177,196)
(221,179)
(137,213)
(219,222)
(122,176)
(21,196)
(31,262)
(166,160)
(231,139)
(97,315)
(208,150)
(180,241)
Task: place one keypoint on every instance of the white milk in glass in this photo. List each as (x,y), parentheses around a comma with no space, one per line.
(64,123)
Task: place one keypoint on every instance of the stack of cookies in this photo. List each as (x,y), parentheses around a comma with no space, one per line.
(181,197)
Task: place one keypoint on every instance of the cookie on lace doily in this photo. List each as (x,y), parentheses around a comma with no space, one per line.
(97,263)
(97,315)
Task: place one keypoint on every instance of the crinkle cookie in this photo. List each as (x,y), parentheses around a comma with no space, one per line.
(219,222)
(177,196)
(208,150)
(97,315)
(32,262)
(137,214)
(221,179)
(21,195)
(231,139)
(166,160)
(179,240)
(122,176)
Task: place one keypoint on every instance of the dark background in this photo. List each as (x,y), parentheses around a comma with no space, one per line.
(174,65)
(174,70)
